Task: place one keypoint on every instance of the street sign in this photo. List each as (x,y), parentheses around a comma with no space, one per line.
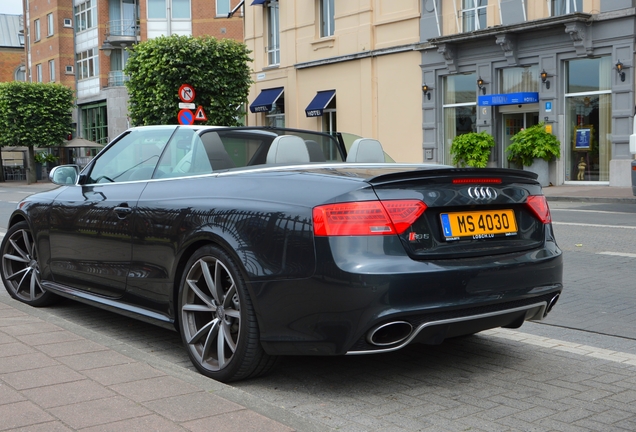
(199,115)
(185,117)
(183,105)
(186,93)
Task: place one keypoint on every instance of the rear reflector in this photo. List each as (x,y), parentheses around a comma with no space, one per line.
(470,180)
(539,206)
(365,218)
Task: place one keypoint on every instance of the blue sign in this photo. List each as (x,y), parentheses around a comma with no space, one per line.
(548,107)
(508,99)
(185,117)
(582,141)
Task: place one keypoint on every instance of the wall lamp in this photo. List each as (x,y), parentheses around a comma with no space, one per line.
(482,85)
(619,68)
(544,78)
(427,91)
(107,48)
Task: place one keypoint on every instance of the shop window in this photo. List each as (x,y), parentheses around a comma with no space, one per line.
(460,109)
(276,116)
(473,14)
(327,18)
(564,7)
(588,119)
(273,31)
(95,123)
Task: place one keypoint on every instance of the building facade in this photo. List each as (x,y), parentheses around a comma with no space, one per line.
(331,65)
(83,44)
(502,65)
(12,66)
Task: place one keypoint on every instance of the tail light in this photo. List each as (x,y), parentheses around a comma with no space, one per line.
(539,206)
(365,218)
(472,180)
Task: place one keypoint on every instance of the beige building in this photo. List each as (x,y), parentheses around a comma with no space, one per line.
(339,65)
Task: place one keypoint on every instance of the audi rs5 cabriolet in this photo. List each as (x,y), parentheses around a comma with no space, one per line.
(260,242)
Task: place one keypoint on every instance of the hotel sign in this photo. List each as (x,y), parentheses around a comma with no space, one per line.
(508,99)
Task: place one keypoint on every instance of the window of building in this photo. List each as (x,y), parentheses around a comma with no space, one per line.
(563,7)
(94,122)
(222,8)
(460,109)
(588,119)
(180,9)
(87,64)
(156,9)
(36,30)
(20,74)
(276,116)
(327,18)
(519,79)
(49,25)
(273,38)
(85,15)
(52,70)
(38,72)
(473,14)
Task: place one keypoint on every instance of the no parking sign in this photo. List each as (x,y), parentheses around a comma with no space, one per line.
(186,117)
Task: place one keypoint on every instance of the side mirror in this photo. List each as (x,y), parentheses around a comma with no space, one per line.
(64,174)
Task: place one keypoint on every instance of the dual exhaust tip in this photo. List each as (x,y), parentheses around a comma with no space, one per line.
(398,331)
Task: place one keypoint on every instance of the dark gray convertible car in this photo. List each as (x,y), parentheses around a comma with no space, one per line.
(257,242)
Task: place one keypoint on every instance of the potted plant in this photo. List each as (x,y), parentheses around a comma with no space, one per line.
(42,159)
(533,148)
(472,149)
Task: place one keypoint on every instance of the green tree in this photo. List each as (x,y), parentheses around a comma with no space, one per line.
(34,115)
(217,69)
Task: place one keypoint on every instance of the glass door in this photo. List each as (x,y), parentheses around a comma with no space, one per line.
(513,123)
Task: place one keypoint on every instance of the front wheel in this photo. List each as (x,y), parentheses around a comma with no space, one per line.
(21,269)
(217,320)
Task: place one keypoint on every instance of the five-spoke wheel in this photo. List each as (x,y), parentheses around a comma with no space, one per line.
(20,267)
(217,322)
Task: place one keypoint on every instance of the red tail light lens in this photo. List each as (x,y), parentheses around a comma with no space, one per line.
(365,218)
(472,180)
(539,206)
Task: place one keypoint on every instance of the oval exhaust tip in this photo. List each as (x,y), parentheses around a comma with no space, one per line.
(390,333)
(551,304)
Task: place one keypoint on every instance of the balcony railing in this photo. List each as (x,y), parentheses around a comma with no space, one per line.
(117,78)
(122,28)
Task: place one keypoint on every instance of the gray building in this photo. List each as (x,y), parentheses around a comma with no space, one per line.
(572,70)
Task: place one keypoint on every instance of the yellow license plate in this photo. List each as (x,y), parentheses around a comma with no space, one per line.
(479,224)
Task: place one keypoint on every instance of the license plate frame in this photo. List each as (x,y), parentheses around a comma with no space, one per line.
(479,224)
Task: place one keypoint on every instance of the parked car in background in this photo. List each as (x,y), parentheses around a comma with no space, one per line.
(260,242)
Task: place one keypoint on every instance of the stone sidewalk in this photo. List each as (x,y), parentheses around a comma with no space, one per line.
(57,376)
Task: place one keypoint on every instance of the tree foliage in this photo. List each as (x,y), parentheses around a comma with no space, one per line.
(34,115)
(217,69)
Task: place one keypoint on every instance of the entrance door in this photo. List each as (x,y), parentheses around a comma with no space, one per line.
(513,123)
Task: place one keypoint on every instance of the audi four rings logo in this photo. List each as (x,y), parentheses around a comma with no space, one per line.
(482,193)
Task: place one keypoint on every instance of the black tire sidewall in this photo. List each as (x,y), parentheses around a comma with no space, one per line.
(237,367)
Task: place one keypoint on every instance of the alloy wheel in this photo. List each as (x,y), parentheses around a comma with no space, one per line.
(20,268)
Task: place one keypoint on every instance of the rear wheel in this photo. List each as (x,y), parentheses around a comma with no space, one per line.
(217,321)
(21,269)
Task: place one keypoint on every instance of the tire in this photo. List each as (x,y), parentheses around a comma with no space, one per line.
(217,321)
(21,269)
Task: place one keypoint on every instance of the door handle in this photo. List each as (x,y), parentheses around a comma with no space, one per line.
(123,212)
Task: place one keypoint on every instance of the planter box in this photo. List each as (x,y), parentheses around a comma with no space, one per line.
(542,168)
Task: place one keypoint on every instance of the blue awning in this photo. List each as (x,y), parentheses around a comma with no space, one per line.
(257,2)
(265,100)
(319,103)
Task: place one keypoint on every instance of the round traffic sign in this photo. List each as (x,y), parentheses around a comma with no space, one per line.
(186,117)
(186,93)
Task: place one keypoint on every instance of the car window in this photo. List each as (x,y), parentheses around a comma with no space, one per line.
(184,156)
(133,157)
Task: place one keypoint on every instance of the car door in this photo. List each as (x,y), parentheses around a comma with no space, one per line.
(92,222)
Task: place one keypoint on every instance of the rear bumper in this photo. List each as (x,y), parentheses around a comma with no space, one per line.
(334,312)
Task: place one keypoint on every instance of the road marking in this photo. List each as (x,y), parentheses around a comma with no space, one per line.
(575,348)
(622,254)
(588,211)
(593,225)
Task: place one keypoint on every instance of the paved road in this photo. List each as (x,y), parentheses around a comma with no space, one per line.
(576,371)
